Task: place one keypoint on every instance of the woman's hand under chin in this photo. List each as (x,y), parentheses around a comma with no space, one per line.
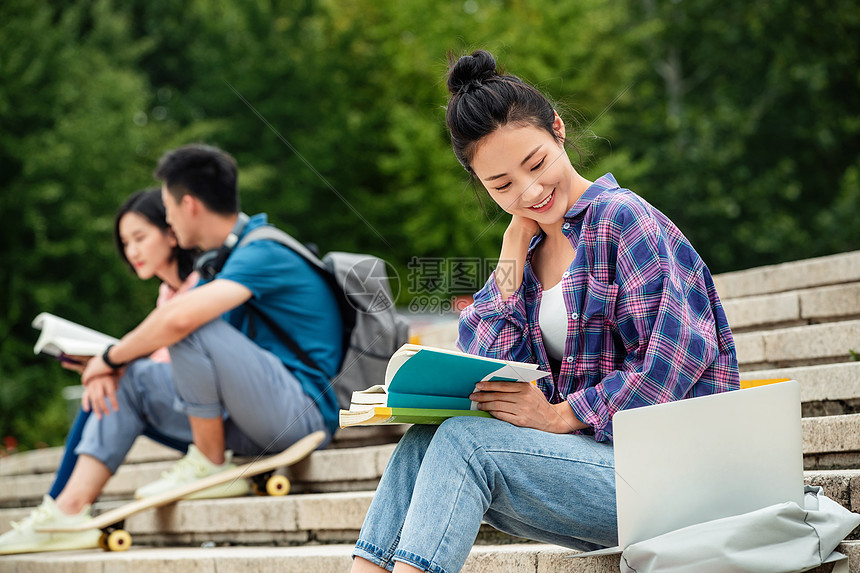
(515,246)
(523,227)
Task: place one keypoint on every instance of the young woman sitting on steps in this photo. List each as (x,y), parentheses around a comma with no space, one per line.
(593,284)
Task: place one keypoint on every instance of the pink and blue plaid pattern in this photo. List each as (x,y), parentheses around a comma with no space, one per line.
(645,324)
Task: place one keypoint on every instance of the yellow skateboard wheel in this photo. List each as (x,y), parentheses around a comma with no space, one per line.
(278,485)
(103,542)
(118,540)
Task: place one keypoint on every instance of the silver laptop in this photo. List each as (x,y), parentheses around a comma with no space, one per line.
(696,460)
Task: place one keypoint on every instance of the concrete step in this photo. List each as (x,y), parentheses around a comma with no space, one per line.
(319,517)
(144,450)
(292,519)
(48,459)
(831,442)
(821,271)
(524,558)
(517,558)
(346,469)
(794,308)
(798,346)
(825,390)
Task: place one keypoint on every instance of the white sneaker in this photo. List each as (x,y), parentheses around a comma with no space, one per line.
(192,467)
(23,538)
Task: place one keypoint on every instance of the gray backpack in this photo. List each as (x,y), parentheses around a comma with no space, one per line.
(372,331)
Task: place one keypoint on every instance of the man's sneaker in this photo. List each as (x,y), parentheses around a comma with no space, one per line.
(195,466)
(23,538)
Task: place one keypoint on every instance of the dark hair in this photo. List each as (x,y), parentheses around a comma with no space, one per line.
(204,172)
(147,203)
(484,99)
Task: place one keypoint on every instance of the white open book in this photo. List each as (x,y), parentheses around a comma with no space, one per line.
(64,337)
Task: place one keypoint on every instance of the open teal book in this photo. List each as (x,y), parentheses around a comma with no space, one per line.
(425,385)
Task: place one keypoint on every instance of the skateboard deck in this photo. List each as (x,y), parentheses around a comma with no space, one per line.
(111,522)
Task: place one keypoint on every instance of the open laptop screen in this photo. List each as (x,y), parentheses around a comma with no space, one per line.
(706,458)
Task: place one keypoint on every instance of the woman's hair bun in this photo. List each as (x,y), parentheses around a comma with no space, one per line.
(470,72)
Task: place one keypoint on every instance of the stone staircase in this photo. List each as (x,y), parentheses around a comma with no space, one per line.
(798,320)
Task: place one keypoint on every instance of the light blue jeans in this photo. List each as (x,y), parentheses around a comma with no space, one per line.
(216,371)
(442,481)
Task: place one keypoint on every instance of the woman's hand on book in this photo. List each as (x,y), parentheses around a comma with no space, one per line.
(524,405)
(74,362)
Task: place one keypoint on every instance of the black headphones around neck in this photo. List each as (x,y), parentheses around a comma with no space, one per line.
(209,263)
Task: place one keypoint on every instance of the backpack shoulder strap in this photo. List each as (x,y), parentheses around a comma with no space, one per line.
(274,234)
(271,233)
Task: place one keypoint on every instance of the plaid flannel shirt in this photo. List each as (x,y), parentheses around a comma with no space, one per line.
(645,324)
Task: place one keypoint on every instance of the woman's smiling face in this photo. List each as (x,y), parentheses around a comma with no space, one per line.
(526,171)
(148,249)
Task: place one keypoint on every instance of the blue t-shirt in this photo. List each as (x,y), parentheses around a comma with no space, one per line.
(290,292)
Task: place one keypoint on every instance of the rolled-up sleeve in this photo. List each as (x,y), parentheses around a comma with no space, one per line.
(494,327)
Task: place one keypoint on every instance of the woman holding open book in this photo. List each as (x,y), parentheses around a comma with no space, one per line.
(594,285)
(146,243)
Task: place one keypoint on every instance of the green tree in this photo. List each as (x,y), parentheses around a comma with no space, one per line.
(743,126)
(335,109)
(70,151)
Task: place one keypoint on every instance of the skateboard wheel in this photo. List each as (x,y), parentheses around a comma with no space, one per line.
(277,485)
(103,542)
(118,540)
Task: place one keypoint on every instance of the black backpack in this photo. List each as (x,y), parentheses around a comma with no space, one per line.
(372,331)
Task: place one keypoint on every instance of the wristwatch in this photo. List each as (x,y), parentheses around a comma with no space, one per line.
(108,361)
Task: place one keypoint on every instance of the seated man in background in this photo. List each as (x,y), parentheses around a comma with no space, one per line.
(232,385)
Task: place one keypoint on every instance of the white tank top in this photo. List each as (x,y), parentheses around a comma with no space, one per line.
(552,319)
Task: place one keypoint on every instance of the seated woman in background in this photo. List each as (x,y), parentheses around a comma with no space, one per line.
(146,243)
(594,285)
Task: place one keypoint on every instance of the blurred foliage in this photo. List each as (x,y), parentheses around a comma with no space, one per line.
(739,120)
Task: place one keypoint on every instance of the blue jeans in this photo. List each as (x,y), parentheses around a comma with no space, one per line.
(70,457)
(442,481)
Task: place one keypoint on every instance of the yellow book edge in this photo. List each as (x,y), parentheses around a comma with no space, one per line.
(763,382)
(381,415)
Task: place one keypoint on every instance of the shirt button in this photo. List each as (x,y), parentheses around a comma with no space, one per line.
(575,316)
(565,275)
(566,226)
(569,358)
